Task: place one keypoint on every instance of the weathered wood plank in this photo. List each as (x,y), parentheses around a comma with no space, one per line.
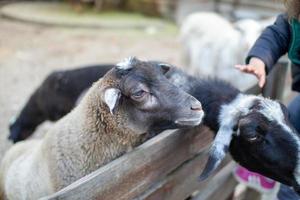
(182,182)
(218,187)
(133,173)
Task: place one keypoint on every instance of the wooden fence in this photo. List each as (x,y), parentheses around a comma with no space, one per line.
(167,166)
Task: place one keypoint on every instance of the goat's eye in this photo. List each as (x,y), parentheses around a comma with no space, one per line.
(138,95)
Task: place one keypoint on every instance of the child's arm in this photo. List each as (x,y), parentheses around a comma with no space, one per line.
(269,47)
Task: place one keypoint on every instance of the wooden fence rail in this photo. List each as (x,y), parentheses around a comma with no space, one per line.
(131,175)
(165,167)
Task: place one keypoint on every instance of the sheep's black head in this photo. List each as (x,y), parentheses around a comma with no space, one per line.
(266,143)
(149,101)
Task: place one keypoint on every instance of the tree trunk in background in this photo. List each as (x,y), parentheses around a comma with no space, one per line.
(165,8)
(110,4)
(99,4)
(148,7)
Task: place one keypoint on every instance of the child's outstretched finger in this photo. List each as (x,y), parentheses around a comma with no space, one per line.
(240,67)
(243,68)
(262,80)
(249,69)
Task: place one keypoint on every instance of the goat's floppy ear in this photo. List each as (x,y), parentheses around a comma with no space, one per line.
(217,151)
(111,98)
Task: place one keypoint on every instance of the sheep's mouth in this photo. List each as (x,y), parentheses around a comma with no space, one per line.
(189,121)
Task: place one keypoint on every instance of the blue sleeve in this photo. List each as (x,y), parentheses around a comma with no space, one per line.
(272,43)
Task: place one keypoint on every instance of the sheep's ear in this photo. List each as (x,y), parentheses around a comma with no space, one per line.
(111,98)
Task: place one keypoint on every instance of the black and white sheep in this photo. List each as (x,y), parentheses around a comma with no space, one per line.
(132,100)
(255,130)
(54,98)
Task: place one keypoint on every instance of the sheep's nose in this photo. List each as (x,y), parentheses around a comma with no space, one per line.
(196,106)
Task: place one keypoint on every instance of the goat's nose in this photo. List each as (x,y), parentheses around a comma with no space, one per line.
(196,106)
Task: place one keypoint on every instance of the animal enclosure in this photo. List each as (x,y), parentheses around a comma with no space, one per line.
(165,167)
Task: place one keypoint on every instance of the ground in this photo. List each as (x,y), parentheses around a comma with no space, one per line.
(28,53)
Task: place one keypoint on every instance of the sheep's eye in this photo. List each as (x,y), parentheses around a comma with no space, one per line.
(138,95)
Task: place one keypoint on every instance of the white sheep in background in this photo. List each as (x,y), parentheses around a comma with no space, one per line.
(117,113)
(213,45)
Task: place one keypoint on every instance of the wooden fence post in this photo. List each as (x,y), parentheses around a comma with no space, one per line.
(275,81)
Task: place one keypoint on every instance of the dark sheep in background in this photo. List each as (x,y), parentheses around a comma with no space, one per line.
(54,98)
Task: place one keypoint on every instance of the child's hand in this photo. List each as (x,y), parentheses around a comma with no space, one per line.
(256,67)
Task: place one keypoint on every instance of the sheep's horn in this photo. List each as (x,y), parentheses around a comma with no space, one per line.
(216,155)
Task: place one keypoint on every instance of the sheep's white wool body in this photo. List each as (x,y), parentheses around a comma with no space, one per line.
(212,45)
(42,178)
